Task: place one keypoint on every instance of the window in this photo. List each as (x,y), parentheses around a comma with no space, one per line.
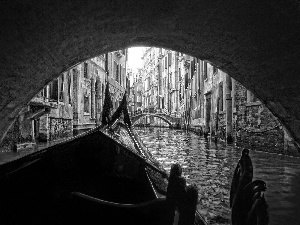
(186,81)
(106,63)
(120,73)
(92,105)
(193,67)
(69,88)
(205,70)
(170,58)
(251,97)
(40,94)
(116,70)
(85,70)
(44,92)
(54,90)
(215,70)
(97,87)
(61,88)
(147,83)
(221,96)
(86,104)
(166,62)
(179,74)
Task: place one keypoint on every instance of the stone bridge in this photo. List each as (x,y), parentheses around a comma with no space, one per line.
(171,120)
(257,43)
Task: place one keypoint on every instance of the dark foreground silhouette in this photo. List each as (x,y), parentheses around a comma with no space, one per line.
(247,201)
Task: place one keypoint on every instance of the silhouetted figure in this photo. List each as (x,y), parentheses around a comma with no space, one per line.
(181,196)
(246,199)
(175,192)
(177,184)
(255,204)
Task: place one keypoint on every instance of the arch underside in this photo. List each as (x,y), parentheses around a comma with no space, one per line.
(257,43)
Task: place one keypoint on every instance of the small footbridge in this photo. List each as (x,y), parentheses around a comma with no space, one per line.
(170,119)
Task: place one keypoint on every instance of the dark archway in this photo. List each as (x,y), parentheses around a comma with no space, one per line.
(255,42)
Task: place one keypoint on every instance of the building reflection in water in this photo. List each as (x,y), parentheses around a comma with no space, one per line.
(211,167)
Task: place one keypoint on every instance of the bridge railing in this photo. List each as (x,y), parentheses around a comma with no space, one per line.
(174,116)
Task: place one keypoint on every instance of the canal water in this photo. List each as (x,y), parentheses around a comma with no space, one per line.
(210,166)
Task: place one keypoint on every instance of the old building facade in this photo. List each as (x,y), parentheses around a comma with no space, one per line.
(47,117)
(136,91)
(89,81)
(70,104)
(209,102)
(89,87)
(116,68)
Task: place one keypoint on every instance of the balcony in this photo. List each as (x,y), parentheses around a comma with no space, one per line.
(43,101)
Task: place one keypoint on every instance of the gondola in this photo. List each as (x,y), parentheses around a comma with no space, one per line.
(103,176)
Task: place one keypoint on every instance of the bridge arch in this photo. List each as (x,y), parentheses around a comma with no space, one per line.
(154,115)
(257,43)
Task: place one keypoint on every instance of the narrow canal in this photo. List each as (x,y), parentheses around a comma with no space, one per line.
(211,166)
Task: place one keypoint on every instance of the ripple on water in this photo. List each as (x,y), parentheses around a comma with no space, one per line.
(211,167)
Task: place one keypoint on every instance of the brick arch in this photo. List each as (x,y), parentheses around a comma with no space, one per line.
(256,42)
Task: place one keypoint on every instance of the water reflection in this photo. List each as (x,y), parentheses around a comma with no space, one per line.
(211,166)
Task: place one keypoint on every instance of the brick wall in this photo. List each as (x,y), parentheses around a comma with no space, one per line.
(255,127)
(60,128)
